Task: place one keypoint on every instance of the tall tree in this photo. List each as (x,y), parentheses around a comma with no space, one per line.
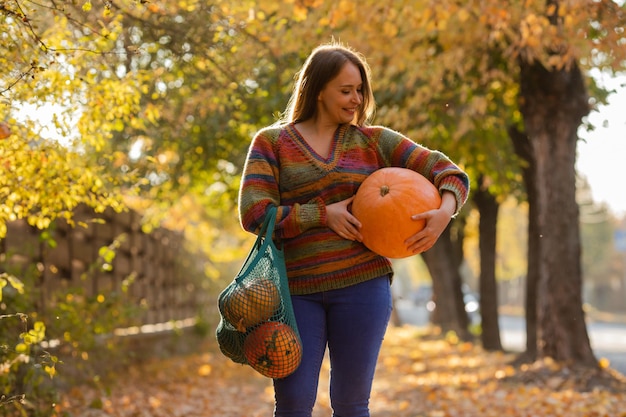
(488,206)
(553,102)
(443,261)
(523,149)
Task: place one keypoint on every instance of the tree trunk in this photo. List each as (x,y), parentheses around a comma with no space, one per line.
(488,208)
(523,150)
(553,104)
(442,264)
(395,318)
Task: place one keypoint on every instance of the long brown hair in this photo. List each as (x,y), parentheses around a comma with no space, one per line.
(322,65)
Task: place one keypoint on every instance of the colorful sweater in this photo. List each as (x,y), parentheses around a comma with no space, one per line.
(284,171)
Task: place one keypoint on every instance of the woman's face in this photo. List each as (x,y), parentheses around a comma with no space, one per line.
(341,97)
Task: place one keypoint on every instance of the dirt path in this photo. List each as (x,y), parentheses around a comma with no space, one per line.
(416,377)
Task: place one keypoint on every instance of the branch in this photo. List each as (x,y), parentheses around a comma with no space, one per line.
(21,18)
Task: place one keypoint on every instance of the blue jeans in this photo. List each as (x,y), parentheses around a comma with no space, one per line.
(352,322)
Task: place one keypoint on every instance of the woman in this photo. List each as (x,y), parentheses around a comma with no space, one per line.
(309,166)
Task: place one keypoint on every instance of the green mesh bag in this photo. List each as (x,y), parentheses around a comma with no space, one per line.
(258,326)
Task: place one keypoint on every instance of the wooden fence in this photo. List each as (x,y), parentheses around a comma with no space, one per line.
(165,278)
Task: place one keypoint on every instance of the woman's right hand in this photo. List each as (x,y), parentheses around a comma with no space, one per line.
(342,222)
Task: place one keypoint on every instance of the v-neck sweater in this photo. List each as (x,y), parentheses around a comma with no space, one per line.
(282,170)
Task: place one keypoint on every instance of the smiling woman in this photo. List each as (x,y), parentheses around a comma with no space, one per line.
(310,165)
(601,152)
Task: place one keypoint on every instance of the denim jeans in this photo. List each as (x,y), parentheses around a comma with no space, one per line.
(352,322)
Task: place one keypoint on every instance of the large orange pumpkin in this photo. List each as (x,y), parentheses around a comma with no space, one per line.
(250,303)
(384,204)
(273,349)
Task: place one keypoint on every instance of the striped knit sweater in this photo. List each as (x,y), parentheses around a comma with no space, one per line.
(281,169)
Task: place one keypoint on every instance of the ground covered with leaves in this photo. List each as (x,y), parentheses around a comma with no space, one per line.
(418,376)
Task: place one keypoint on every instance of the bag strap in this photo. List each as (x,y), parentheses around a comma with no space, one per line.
(267,229)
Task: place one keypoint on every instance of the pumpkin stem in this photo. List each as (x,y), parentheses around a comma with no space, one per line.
(384,190)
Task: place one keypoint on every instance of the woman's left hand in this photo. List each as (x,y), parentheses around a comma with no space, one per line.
(436,222)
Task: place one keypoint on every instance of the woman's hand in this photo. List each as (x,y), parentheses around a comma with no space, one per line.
(342,222)
(436,222)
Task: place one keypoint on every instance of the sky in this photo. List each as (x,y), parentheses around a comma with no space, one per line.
(602,153)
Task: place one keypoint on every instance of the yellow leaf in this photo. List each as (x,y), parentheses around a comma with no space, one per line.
(205,370)
(154,402)
(299,13)
(463,15)
(604,363)
(50,370)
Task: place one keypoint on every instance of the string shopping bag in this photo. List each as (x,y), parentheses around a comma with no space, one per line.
(257,324)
